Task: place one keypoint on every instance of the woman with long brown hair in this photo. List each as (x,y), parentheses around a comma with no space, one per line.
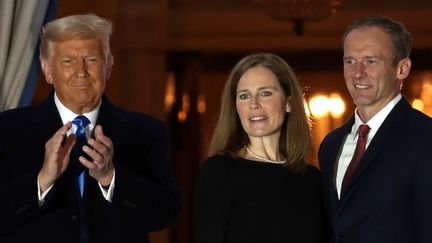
(256,185)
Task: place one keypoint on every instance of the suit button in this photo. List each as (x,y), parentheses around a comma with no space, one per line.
(130,204)
(74,217)
(22,209)
(339,238)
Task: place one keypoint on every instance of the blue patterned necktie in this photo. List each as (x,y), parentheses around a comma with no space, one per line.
(80,122)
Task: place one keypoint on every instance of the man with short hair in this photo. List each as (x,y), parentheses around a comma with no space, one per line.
(76,168)
(377,166)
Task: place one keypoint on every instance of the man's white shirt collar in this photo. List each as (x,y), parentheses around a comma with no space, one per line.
(67,115)
(376,121)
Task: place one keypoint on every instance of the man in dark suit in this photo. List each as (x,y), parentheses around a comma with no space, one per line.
(382,194)
(119,189)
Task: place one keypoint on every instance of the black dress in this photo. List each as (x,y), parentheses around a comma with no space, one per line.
(244,201)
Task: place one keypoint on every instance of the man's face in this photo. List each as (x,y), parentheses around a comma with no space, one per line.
(371,77)
(78,70)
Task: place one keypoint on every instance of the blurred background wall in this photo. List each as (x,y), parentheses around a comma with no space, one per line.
(172,58)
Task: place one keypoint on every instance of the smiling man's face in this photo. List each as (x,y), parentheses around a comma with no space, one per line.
(78,70)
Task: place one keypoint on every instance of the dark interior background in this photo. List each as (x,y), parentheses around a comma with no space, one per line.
(172,58)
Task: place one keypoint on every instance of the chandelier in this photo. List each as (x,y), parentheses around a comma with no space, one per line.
(299,11)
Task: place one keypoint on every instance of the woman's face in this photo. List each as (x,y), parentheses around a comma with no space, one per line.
(261,103)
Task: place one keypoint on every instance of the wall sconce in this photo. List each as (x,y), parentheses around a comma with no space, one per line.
(328,111)
(336,105)
(322,105)
(319,106)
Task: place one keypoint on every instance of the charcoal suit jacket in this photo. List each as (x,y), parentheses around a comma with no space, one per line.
(389,196)
(145,196)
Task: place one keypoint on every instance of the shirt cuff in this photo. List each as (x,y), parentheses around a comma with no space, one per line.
(108,193)
(42,195)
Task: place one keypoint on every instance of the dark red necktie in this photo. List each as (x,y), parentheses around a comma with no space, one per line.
(358,154)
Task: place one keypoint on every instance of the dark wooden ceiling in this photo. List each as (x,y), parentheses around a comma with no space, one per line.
(242,24)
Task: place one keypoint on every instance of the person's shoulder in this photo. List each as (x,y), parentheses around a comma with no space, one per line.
(340,129)
(218,164)
(312,170)
(139,120)
(418,124)
(403,113)
(334,135)
(138,116)
(215,176)
(142,127)
(16,114)
(420,118)
(218,161)
(312,175)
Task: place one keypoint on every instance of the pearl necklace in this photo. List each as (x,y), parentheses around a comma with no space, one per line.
(264,158)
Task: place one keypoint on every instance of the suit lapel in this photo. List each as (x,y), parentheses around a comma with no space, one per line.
(112,121)
(339,139)
(45,118)
(378,142)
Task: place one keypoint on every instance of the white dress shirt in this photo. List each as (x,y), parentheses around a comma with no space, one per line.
(351,140)
(66,116)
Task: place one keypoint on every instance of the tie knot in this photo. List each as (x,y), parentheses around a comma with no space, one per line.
(81,123)
(363,130)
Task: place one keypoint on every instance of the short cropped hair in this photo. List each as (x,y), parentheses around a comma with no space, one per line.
(76,27)
(400,37)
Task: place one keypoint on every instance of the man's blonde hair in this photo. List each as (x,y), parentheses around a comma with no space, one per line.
(76,27)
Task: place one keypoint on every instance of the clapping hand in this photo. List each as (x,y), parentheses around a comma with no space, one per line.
(101,152)
(56,160)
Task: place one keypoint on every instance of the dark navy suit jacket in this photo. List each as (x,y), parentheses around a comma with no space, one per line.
(389,197)
(145,196)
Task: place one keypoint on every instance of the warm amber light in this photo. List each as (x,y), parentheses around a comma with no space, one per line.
(418,104)
(336,105)
(181,116)
(185,102)
(170,92)
(201,104)
(319,106)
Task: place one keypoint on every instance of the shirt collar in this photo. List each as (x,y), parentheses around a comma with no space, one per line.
(375,122)
(67,115)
